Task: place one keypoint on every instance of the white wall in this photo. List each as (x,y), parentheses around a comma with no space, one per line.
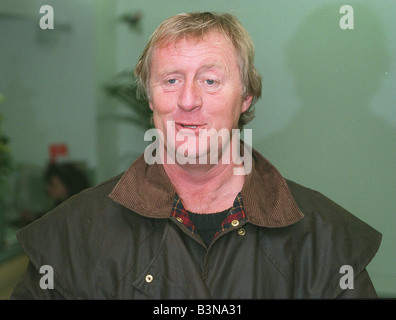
(47,78)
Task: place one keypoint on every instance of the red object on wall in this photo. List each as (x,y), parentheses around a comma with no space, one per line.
(58,150)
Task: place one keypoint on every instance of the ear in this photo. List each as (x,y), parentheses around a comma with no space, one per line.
(151,105)
(247,101)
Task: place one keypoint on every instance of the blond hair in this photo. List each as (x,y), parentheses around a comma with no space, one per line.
(199,24)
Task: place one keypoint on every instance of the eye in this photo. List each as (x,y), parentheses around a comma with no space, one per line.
(172,81)
(210,81)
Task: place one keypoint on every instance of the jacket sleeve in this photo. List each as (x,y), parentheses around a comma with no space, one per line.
(77,240)
(328,238)
(363,288)
(56,240)
(28,287)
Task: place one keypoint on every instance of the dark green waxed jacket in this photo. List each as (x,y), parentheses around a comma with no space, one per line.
(118,241)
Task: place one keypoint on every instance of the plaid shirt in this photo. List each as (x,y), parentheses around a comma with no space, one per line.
(236,213)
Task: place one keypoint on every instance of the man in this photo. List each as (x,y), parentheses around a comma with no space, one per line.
(188,225)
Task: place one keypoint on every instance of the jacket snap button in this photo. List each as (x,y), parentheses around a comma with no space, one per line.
(179,219)
(149,278)
(234,223)
(241,232)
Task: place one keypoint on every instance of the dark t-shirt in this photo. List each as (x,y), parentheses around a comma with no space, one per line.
(208,224)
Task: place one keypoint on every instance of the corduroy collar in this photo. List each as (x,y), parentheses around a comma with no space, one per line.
(147,190)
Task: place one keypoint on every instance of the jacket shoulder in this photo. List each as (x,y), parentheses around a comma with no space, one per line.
(319,209)
(326,239)
(80,239)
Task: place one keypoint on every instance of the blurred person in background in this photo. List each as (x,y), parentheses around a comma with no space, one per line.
(64,180)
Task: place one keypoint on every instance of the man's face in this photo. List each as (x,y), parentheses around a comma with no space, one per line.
(197,84)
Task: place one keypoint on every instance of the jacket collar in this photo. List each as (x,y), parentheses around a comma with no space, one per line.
(268,202)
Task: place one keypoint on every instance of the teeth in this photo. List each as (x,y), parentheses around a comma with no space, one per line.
(186,126)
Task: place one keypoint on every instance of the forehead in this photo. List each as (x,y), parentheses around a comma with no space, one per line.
(210,48)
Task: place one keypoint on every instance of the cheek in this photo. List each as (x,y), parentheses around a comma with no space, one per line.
(228,107)
(162,103)
(162,110)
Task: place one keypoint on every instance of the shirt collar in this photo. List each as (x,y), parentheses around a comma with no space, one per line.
(147,190)
(235,213)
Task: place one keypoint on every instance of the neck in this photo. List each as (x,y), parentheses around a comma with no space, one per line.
(205,188)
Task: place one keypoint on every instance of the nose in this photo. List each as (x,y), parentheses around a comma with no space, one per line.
(189,98)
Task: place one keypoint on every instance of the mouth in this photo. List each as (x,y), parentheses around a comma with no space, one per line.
(191,126)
